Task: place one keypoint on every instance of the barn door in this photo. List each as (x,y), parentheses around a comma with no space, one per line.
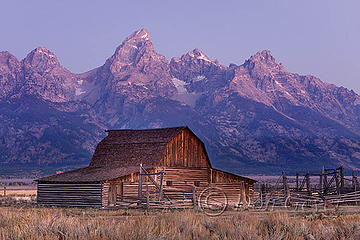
(112,194)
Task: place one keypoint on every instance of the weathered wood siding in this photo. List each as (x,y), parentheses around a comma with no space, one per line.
(218,176)
(185,150)
(69,194)
(124,190)
(238,190)
(185,178)
(236,193)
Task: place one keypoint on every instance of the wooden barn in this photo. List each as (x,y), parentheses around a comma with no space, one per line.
(153,167)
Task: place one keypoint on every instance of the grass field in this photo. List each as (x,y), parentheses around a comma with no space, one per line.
(72,223)
(18,192)
(20,218)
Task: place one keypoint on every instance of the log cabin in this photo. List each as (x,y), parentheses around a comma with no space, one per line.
(167,166)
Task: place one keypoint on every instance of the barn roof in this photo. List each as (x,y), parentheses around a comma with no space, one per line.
(90,174)
(132,147)
(120,153)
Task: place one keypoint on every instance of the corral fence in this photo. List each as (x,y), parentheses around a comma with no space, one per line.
(149,192)
(327,188)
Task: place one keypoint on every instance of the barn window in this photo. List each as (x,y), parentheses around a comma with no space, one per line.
(168,183)
(197,183)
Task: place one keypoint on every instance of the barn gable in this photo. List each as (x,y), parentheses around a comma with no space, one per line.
(185,150)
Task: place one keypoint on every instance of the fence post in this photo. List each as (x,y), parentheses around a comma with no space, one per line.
(337,181)
(341,178)
(325,181)
(243,194)
(263,188)
(297,181)
(140,186)
(286,187)
(354,181)
(161,195)
(307,177)
(321,181)
(147,197)
(194,196)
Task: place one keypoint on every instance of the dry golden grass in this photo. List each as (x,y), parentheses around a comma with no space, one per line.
(19,192)
(62,223)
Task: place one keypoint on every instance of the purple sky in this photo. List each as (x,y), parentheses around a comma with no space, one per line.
(319,37)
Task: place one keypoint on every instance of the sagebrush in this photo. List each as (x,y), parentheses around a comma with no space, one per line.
(58,223)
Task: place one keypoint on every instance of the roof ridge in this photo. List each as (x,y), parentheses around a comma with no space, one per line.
(122,143)
(151,129)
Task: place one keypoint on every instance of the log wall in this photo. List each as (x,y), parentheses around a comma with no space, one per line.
(69,195)
(218,176)
(185,178)
(237,189)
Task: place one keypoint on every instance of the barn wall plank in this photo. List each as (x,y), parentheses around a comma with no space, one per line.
(185,150)
(71,195)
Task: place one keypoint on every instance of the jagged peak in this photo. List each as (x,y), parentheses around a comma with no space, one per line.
(43,51)
(139,34)
(41,58)
(265,61)
(137,40)
(198,54)
(133,44)
(264,56)
(135,50)
(5,56)
(8,61)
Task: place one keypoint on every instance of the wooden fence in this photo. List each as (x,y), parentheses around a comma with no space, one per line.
(150,192)
(332,188)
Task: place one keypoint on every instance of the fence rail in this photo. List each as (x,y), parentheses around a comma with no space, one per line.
(333,188)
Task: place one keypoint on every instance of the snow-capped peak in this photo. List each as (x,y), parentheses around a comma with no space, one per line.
(196,53)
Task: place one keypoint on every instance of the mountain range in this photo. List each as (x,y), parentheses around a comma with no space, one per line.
(254,118)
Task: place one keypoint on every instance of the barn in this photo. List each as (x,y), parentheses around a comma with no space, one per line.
(151,167)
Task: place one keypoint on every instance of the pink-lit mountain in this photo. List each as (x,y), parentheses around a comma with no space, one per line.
(253,118)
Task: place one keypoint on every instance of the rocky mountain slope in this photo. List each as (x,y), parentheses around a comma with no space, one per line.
(253,118)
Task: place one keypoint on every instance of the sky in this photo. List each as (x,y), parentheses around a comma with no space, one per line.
(320,38)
